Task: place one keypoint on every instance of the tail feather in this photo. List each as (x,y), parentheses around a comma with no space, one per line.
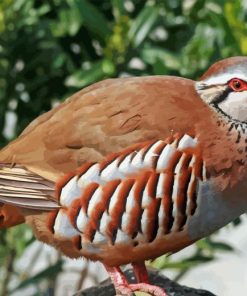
(21,188)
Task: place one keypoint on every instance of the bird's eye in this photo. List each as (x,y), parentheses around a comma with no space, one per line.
(237,84)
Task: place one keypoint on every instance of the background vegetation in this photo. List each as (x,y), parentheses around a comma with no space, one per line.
(50,49)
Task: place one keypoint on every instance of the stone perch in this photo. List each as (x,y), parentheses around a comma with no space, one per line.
(172,288)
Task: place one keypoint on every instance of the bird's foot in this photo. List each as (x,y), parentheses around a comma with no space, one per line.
(147,288)
(128,290)
(123,288)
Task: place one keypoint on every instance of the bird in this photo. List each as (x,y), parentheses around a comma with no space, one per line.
(129,169)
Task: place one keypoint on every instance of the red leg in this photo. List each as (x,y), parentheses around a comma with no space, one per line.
(141,273)
(119,280)
(142,278)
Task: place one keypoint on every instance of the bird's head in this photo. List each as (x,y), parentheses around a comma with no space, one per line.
(224,87)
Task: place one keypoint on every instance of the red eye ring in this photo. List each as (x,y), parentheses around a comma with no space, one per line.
(237,84)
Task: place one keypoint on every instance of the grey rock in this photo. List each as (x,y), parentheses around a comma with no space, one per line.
(171,288)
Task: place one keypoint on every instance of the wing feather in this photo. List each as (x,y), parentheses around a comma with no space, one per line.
(20,187)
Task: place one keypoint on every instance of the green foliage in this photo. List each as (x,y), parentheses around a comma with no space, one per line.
(50,49)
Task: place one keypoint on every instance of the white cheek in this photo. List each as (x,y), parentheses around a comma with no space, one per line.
(235,105)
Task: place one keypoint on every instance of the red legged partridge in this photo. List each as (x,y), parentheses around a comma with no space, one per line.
(129,169)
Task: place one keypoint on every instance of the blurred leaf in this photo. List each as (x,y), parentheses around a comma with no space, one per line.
(237,25)
(184,263)
(143,24)
(153,55)
(237,221)
(69,23)
(93,18)
(197,51)
(213,245)
(118,8)
(221,246)
(48,272)
(97,71)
